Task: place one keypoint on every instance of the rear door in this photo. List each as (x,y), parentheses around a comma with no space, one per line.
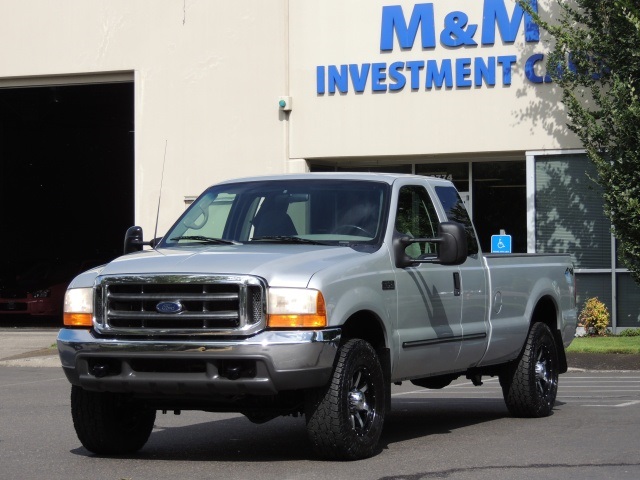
(473,280)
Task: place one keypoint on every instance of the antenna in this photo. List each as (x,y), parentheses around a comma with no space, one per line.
(155,232)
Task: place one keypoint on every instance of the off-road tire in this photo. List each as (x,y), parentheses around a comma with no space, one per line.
(530,384)
(344,419)
(109,423)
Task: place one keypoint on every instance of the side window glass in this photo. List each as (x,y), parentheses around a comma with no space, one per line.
(457,212)
(416,217)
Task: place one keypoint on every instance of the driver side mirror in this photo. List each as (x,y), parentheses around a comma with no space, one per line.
(133,240)
(452,241)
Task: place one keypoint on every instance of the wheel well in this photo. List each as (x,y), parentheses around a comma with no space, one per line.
(546,312)
(367,326)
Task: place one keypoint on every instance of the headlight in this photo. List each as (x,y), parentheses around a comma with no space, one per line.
(44,293)
(78,307)
(295,308)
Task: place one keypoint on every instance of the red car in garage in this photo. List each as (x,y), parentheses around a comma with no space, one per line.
(39,289)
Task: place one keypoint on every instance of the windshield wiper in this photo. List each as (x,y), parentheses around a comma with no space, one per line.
(287,239)
(200,238)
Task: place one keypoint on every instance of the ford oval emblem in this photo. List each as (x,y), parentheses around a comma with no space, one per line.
(169,307)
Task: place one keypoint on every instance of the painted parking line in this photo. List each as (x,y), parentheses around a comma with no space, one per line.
(599,386)
(594,390)
(620,405)
(600,390)
(603,378)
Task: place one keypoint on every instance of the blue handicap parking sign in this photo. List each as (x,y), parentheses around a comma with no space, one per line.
(500,243)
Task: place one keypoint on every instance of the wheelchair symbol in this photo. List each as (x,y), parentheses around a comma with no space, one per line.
(501,244)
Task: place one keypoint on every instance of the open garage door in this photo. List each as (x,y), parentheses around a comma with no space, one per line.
(66,187)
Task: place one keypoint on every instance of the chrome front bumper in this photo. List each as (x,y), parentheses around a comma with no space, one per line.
(264,364)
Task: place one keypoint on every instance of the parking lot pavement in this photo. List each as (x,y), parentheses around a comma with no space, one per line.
(28,347)
(588,389)
(461,432)
(601,389)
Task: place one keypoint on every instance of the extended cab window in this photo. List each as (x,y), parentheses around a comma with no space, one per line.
(416,217)
(456,211)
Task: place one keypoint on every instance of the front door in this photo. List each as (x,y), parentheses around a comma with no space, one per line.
(429,307)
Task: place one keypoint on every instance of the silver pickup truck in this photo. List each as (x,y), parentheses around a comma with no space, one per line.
(310,295)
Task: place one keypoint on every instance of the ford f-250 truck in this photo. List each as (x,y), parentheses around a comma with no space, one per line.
(310,295)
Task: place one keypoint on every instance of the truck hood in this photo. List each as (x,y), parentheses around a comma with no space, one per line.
(279,265)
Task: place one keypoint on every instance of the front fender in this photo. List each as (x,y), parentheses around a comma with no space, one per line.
(362,286)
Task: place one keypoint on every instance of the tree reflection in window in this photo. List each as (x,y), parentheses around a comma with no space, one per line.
(417,218)
(457,212)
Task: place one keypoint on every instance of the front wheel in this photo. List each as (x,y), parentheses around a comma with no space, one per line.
(530,385)
(109,423)
(344,419)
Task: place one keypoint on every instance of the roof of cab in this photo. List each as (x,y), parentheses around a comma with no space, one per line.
(379,177)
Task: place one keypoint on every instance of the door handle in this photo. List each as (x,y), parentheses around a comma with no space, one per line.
(456,284)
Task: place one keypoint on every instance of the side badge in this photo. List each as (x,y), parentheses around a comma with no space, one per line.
(388,285)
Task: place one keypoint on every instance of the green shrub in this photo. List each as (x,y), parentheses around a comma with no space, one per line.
(630,332)
(595,317)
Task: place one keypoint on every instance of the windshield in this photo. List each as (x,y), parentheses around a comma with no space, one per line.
(321,211)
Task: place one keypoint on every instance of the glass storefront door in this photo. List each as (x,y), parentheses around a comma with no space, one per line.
(497,197)
(494,193)
(500,202)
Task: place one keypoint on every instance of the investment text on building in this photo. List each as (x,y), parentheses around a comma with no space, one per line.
(457,31)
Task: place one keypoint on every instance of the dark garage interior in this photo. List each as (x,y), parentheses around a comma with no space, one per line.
(66,186)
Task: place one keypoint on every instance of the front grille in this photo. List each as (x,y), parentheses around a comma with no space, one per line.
(179,304)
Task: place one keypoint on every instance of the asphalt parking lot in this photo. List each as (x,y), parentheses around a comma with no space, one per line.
(28,343)
(459,432)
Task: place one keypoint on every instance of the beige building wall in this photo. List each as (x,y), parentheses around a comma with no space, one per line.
(208,76)
(501,118)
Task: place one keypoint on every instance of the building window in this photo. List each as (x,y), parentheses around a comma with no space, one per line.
(570,211)
(320,167)
(628,302)
(458,173)
(569,218)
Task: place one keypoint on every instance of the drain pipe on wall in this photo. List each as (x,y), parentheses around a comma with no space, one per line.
(284,102)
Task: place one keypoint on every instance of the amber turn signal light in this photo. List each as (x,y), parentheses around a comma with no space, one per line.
(78,320)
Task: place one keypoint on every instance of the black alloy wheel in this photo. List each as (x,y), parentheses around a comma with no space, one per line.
(344,419)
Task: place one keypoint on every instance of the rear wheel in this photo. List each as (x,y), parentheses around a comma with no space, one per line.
(530,385)
(344,420)
(110,423)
